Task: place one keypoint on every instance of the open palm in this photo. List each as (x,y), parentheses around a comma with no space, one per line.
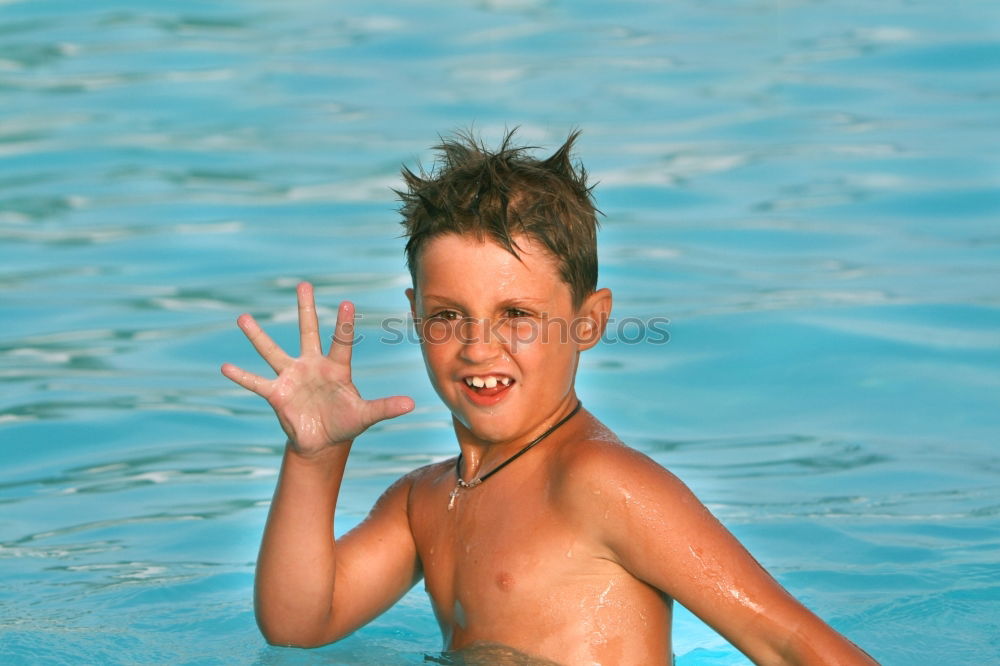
(313,396)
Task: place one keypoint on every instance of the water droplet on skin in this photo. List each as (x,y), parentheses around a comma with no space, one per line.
(603,598)
(741,598)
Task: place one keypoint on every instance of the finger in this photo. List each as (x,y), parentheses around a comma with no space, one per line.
(387,408)
(343,334)
(247,380)
(308,323)
(262,342)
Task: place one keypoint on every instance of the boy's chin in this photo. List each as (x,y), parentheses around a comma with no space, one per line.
(483,426)
(489,424)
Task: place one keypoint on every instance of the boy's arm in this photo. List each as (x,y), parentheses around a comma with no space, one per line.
(309,589)
(656,529)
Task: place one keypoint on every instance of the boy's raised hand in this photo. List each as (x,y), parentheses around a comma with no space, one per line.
(313,395)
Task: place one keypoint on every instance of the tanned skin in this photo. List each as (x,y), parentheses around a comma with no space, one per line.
(574,553)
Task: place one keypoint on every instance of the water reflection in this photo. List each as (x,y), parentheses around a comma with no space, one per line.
(486,654)
(807,191)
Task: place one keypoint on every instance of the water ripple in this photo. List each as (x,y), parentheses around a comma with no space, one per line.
(809,194)
(210,465)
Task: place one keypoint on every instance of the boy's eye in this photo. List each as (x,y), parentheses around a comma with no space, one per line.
(448,315)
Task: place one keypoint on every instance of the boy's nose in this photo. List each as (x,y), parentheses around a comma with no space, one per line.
(479,342)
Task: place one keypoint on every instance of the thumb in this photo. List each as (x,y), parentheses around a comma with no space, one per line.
(387,408)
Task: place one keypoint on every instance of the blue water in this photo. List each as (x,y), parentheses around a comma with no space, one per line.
(810,191)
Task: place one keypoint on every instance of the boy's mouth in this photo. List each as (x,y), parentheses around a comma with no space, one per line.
(488,388)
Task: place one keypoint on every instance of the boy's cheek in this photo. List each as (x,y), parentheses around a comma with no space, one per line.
(523,333)
(435,331)
(547,332)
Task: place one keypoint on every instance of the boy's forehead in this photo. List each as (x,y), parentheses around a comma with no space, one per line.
(453,250)
(464,260)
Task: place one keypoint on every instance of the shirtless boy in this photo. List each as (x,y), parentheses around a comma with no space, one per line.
(572,550)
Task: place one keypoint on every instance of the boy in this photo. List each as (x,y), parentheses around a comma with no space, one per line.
(546,534)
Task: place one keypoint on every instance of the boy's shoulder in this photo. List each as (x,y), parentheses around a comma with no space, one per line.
(598,453)
(599,467)
(402,491)
(430,474)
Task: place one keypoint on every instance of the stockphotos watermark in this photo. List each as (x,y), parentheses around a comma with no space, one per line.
(514,332)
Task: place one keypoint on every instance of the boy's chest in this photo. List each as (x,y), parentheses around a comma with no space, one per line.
(501,550)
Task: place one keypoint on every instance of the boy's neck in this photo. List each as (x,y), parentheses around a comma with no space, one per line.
(481,456)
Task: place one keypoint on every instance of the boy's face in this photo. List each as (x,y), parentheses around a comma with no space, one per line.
(487,318)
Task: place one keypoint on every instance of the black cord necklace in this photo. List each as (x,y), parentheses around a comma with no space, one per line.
(479,479)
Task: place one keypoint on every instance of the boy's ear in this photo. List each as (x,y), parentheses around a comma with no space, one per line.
(592,318)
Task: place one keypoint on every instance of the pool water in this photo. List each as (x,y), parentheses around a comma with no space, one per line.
(809,191)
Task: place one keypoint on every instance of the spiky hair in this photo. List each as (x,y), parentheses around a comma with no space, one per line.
(499,195)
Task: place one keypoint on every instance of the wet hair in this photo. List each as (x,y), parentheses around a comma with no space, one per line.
(498,195)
